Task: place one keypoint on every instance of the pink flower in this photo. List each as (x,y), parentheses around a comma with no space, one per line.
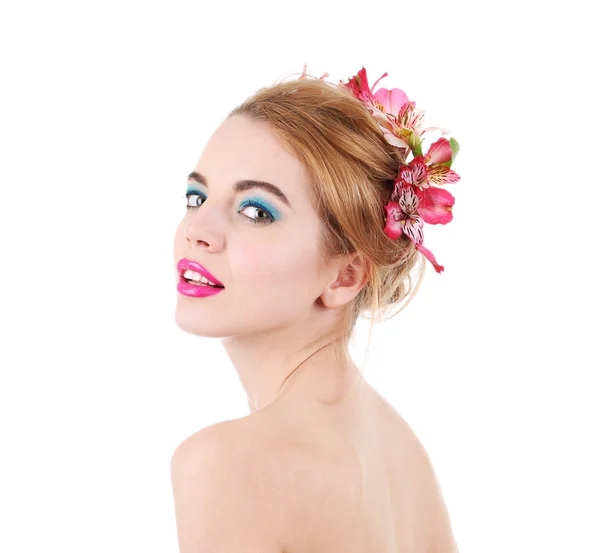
(422,172)
(406,126)
(403,217)
(385,105)
(439,157)
(435,204)
(432,168)
(415,201)
(416,198)
(359,86)
(413,174)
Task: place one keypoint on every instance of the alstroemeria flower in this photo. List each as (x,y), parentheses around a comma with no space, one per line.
(434,204)
(403,217)
(430,169)
(384,104)
(359,86)
(413,174)
(407,126)
(416,199)
(438,159)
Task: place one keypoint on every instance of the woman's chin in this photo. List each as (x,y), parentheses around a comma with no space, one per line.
(194,322)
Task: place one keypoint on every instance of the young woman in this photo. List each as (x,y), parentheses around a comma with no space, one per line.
(304,211)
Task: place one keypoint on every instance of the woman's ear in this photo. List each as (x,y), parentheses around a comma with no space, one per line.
(348,280)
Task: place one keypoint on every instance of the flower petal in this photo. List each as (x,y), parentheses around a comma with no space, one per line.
(391,100)
(438,268)
(419,171)
(413,228)
(411,118)
(435,205)
(359,85)
(413,174)
(393,222)
(409,201)
(393,139)
(388,129)
(440,129)
(439,152)
(441,174)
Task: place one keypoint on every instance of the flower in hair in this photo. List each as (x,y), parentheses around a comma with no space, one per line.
(417,198)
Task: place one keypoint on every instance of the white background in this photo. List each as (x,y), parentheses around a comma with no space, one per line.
(105,108)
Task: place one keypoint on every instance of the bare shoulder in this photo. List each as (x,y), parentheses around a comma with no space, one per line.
(212,439)
(226,491)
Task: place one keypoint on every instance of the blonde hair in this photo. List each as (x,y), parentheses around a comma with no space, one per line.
(351,169)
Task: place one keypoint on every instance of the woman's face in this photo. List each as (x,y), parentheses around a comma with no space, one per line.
(266,255)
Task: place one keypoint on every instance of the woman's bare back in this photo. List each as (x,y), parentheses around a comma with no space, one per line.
(356,479)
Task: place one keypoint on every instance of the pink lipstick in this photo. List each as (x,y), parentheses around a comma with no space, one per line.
(196,289)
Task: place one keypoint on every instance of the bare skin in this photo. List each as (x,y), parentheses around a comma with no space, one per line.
(354,476)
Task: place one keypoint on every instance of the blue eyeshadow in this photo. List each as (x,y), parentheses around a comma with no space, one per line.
(255,199)
(264,204)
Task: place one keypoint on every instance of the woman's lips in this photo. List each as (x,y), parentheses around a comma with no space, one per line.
(184,264)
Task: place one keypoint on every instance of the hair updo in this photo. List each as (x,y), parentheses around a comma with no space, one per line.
(351,170)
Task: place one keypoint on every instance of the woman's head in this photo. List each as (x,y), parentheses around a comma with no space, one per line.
(326,153)
(262,246)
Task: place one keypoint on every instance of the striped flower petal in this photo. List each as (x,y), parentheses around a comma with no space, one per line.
(411,118)
(403,217)
(441,174)
(412,223)
(409,200)
(413,174)
(413,228)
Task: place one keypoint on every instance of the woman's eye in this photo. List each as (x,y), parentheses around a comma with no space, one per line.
(192,200)
(259,215)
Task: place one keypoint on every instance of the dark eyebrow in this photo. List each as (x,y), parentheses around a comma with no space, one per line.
(246,184)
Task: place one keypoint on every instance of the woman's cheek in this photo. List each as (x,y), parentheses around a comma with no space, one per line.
(256,264)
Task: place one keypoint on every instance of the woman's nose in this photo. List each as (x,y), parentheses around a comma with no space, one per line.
(203,230)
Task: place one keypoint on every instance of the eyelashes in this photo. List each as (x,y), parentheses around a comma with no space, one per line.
(248,203)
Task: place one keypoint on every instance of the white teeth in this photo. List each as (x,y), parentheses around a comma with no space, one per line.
(193,275)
